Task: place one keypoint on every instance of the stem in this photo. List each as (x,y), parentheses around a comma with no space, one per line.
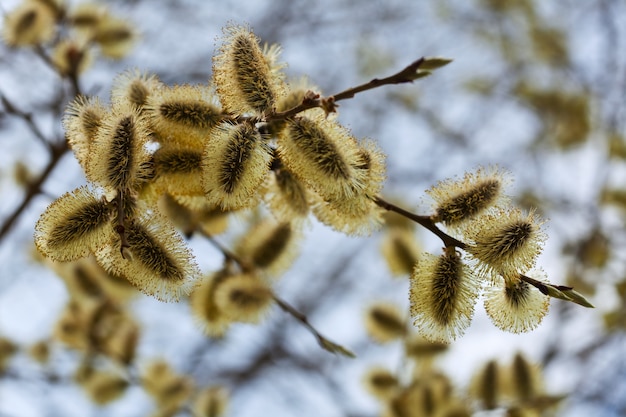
(312,100)
(424,221)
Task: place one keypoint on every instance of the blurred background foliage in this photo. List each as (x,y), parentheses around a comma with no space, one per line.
(536,88)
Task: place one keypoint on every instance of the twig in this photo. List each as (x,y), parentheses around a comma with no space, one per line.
(424,221)
(311,100)
(324,342)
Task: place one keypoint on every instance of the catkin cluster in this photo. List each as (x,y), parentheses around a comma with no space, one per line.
(73,33)
(501,245)
(161,160)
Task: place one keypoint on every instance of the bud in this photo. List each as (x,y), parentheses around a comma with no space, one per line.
(525,379)
(461,200)
(517,306)
(73,225)
(443,294)
(385,322)
(247,79)
(235,163)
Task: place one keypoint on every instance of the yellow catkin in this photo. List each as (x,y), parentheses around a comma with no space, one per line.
(243,298)
(156,261)
(356,213)
(72,225)
(40,352)
(204,308)
(210,402)
(82,120)
(183,114)
(178,170)
(118,157)
(487,385)
(381,383)
(71,58)
(169,389)
(443,294)
(247,79)
(269,245)
(516,306)
(105,387)
(323,155)
(191,213)
(7,350)
(133,88)
(400,250)
(286,196)
(235,163)
(114,36)
(385,322)
(525,379)
(505,241)
(85,17)
(31,23)
(461,200)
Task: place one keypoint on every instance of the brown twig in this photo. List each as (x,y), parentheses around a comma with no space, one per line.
(424,221)
(312,100)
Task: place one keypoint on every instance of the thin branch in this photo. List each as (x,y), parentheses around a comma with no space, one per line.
(424,221)
(323,341)
(10,108)
(312,100)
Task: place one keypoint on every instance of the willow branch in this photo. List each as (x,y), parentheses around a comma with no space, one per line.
(312,100)
(424,221)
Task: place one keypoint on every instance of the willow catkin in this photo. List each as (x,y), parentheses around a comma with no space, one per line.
(210,402)
(286,196)
(385,322)
(156,259)
(515,306)
(31,23)
(73,225)
(461,200)
(505,241)
(487,385)
(235,163)
(246,78)
(206,312)
(443,294)
(133,88)
(82,120)
(381,383)
(114,36)
(269,245)
(178,170)
(400,250)
(323,155)
(118,157)
(243,298)
(105,387)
